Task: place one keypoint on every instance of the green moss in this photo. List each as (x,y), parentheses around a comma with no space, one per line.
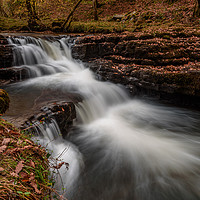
(96,27)
(12,24)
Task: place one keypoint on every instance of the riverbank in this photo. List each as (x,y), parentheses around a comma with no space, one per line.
(24,166)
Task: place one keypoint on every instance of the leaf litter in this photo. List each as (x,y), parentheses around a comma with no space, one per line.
(24,166)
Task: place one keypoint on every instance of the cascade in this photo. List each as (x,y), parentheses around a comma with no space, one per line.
(121,148)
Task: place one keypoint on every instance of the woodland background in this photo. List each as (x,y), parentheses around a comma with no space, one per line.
(101,16)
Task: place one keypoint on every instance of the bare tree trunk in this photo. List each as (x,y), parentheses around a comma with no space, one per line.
(31,14)
(29,9)
(95,3)
(69,17)
(34,9)
(196,12)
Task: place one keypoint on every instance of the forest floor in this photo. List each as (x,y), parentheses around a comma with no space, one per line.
(24,168)
(114,16)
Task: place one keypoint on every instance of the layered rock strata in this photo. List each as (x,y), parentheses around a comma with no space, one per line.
(166,66)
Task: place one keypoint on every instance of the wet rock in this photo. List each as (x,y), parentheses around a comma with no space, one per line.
(6,56)
(63,112)
(142,63)
(12,74)
(92,50)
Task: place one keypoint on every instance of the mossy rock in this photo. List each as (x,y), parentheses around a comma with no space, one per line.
(4,101)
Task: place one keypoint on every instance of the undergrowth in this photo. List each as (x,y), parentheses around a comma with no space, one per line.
(24,167)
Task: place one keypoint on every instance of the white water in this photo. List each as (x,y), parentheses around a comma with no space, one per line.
(122,148)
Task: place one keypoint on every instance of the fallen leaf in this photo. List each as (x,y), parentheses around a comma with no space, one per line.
(21,149)
(32,164)
(25,180)
(28,141)
(24,174)
(6,141)
(14,174)
(34,185)
(59,165)
(3,148)
(1,169)
(19,167)
(32,177)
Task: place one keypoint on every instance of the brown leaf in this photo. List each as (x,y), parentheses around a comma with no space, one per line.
(19,167)
(1,169)
(59,165)
(14,174)
(34,185)
(32,164)
(24,175)
(21,149)
(6,141)
(3,148)
(32,177)
(28,141)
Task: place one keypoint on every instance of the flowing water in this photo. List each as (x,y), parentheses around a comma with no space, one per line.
(120,148)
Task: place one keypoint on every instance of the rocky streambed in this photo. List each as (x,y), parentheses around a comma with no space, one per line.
(165,66)
(113,134)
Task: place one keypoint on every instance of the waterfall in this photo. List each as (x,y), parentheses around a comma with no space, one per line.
(121,148)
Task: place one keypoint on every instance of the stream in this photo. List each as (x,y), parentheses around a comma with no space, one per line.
(121,148)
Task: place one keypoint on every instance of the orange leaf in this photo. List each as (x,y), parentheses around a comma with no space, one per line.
(25,180)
